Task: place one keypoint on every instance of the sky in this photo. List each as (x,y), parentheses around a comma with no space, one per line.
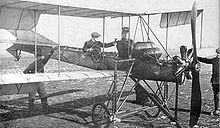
(75,31)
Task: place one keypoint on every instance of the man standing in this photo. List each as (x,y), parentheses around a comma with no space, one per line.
(92,43)
(215,78)
(124,51)
(124,45)
(40,87)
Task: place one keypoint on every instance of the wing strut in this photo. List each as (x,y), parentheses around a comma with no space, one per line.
(58,40)
(35,42)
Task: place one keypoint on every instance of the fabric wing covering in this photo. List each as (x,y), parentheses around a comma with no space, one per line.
(24,14)
(28,37)
(171,19)
(15,18)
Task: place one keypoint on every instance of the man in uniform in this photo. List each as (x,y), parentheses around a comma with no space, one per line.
(124,45)
(215,78)
(40,87)
(92,43)
(124,51)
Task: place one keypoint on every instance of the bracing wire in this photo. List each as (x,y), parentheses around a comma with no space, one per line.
(148,38)
(135,32)
(156,37)
(144,27)
(142,30)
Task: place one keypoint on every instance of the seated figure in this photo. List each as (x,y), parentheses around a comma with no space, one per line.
(88,45)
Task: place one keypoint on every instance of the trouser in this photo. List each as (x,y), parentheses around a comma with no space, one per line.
(40,90)
(42,94)
(215,88)
(140,97)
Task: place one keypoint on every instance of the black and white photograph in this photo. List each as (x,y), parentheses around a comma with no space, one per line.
(109,63)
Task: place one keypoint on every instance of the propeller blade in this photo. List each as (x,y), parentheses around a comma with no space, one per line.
(195,108)
(193,30)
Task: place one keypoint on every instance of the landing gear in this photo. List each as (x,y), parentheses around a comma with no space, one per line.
(100,115)
(153,110)
(117,108)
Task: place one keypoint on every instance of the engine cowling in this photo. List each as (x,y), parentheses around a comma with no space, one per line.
(146,51)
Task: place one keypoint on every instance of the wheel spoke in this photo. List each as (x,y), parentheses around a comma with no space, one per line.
(100,115)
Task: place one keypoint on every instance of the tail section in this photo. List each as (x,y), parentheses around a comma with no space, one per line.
(26,42)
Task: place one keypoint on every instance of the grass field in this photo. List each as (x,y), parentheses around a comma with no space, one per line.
(72,101)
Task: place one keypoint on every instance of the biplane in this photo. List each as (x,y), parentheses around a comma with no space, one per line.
(143,64)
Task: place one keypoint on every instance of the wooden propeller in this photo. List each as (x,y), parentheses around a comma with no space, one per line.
(195,108)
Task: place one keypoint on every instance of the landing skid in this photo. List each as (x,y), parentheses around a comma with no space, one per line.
(110,112)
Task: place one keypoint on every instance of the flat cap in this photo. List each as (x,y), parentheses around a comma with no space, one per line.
(95,34)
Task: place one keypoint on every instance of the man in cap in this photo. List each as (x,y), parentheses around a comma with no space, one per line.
(88,45)
(39,86)
(124,45)
(214,79)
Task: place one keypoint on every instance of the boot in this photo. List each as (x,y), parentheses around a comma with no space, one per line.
(44,105)
(31,106)
(140,98)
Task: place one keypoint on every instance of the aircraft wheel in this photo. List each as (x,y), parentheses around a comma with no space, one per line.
(96,55)
(153,110)
(100,116)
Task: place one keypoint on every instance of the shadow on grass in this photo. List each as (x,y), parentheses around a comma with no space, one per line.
(24,99)
(188,110)
(18,108)
(69,111)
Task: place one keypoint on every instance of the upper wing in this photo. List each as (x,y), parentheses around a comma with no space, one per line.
(170,19)
(24,14)
(17,18)
(67,8)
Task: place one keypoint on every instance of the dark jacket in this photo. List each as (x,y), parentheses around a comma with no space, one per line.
(90,44)
(215,67)
(123,47)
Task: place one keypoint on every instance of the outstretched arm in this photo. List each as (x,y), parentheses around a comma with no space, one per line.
(106,45)
(205,60)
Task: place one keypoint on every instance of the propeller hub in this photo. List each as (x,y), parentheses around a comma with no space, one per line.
(197,67)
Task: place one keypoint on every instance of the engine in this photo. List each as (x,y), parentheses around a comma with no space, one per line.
(146,51)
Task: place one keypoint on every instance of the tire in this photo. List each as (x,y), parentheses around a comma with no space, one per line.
(100,116)
(153,111)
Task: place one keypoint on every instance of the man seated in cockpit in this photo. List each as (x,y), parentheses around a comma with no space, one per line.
(92,43)
(124,45)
